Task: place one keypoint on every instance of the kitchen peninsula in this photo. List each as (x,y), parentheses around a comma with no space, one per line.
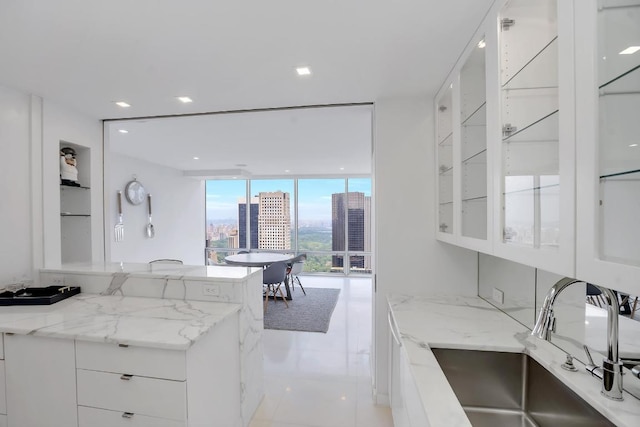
(142,345)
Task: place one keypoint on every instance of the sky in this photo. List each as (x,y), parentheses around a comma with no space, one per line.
(314,195)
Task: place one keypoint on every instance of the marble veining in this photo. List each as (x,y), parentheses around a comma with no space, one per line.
(192,272)
(146,322)
(440,321)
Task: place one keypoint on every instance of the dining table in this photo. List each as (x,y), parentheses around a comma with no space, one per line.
(261,259)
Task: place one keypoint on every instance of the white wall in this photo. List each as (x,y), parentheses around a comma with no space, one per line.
(408,257)
(178,213)
(61,124)
(15,187)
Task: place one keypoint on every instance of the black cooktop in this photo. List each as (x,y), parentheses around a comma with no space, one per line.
(38,296)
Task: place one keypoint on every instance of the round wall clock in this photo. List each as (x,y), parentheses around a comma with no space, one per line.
(135,192)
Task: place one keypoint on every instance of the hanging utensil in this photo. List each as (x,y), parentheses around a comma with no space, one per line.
(119,228)
(150,230)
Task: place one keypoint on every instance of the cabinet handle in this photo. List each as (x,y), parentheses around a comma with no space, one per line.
(126,377)
(123,345)
(127,415)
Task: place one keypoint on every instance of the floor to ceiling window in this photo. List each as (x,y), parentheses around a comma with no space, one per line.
(327,219)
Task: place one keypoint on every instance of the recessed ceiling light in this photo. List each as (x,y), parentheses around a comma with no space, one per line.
(287,170)
(185,99)
(482,44)
(123,131)
(303,71)
(630,50)
(196,158)
(122,104)
(341,169)
(633,145)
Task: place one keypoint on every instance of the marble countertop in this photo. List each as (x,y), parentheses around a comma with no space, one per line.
(471,323)
(146,322)
(172,271)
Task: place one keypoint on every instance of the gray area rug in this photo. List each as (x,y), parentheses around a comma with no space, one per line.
(308,313)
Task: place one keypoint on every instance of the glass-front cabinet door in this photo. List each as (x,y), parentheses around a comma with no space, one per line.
(444,153)
(473,144)
(609,161)
(534,178)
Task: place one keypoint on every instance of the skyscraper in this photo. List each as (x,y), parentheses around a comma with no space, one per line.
(274,220)
(253,222)
(358,223)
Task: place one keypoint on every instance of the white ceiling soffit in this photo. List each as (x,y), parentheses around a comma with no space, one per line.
(318,141)
(229,55)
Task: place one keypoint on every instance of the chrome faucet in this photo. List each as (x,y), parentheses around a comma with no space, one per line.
(611,371)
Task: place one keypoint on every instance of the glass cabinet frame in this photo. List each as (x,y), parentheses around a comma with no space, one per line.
(536,145)
(608,87)
(560,257)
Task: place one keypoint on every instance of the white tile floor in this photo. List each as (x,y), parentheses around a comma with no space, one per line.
(323,380)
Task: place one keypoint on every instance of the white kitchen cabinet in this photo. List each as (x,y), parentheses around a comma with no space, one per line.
(608,170)
(513,137)
(169,387)
(93,417)
(41,381)
(396,392)
(536,156)
(406,407)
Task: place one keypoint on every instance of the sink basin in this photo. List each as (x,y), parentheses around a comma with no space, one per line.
(511,389)
(38,296)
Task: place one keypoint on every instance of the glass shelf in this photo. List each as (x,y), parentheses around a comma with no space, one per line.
(68,187)
(447,141)
(478,117)
(74,215)
(534,149)
(619,127)
(528,30)
(474,176)
(540,72)
(468,159)
(620,21)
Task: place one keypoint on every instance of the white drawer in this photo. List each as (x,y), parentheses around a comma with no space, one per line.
(3,421)
(147,362)
(92,417)
(139,395)
(3,390)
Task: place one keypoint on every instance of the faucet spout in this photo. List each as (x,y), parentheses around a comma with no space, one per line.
(612,366)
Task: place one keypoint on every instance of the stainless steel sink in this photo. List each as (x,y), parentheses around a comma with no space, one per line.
(511,389)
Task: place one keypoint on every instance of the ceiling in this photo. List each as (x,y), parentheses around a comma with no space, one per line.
(288,142)
(230,56)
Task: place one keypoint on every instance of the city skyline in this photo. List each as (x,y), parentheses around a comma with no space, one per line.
(314,204)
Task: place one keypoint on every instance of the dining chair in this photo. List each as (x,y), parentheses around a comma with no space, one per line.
(296,265)
(272,278)
(594,296)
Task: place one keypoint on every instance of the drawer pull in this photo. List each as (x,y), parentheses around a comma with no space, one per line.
(127,415)
(123,345)
(125,377)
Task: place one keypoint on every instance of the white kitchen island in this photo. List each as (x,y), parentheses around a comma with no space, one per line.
(226,286)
